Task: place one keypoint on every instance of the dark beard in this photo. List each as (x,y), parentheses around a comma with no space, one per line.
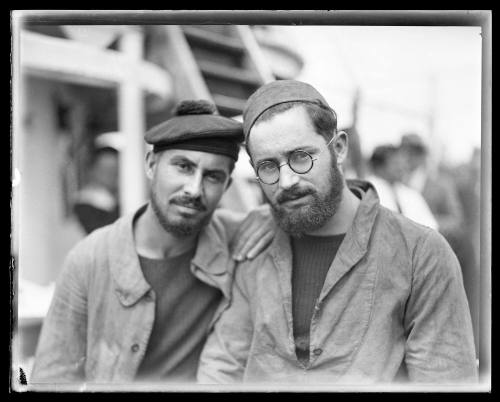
(183,227)
(313,216)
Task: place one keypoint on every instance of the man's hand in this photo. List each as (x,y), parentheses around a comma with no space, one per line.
(255,234)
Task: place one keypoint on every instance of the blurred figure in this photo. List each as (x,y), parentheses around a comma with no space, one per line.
(387,168)
(436,188)
(441,193)
(96,204)
(468,182)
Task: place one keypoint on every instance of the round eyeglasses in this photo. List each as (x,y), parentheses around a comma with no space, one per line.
(301,162)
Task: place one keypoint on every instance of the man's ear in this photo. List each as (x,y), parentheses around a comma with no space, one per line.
(340,146)
(151,160)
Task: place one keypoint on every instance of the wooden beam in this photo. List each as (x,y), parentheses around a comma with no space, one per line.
(173,52)
(213,40)
(131,123)
(71,61)
(256,55)
(229,73)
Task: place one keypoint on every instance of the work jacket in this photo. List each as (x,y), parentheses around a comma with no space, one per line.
(101,317)
(392,307)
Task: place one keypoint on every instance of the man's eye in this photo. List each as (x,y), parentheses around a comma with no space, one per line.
(268,167)
(184,167)
(214,178)
(300,156)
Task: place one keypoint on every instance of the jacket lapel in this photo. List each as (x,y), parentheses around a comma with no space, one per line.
(281,252)
(355,244)
(212,263)
(130,284)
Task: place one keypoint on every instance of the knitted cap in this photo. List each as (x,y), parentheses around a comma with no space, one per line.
(274,93)
(196,127)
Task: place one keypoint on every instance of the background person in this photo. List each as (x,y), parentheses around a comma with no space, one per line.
(387,168)
(96,204)
(436,187)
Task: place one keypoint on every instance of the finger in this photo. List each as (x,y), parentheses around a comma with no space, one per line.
(261,245)
(255,225)
(254,241)
(242,235)
(250,242)
(247,237)
(239,247)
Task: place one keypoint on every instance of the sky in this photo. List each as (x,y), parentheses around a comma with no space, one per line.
(420,79)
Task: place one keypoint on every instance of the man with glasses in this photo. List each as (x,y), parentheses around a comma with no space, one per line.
(348,291)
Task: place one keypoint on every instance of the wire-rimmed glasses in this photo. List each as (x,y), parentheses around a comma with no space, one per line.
(301,162)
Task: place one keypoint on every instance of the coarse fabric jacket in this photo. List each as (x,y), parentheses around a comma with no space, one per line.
(102,312)
(392,308)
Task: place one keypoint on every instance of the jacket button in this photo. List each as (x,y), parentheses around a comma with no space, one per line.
(317,351)
(135,347)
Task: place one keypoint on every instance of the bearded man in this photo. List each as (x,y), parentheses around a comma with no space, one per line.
(136,298)
(348,291)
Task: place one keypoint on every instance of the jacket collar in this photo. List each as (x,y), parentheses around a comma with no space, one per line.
(130,284)
(356,241)
(210,263)
(360,231)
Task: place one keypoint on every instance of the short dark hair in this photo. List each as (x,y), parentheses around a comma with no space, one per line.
(322,117)
(380,155)
(413,143)
(232,164)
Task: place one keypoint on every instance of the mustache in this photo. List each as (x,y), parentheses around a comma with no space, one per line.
(189,202)
(292,194)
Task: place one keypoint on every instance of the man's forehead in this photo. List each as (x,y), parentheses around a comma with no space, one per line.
(200,158)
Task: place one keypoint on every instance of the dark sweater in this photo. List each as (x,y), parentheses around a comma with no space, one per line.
(312,257)
(184,307)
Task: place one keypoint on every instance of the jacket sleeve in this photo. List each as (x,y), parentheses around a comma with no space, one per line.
(61,350)
(440,344)
(224,356)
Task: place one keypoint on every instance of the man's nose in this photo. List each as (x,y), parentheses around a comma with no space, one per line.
(194,185)
(288,177)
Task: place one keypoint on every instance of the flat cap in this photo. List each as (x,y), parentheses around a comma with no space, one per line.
(194,126)
(274,93)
